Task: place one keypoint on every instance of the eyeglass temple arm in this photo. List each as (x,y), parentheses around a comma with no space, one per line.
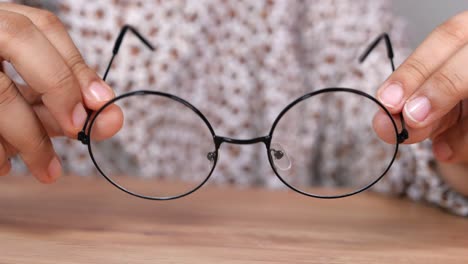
(118,42)
(403,135)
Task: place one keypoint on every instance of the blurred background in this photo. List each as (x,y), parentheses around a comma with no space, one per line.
(422,19)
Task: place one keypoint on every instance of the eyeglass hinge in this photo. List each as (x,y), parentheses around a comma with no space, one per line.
(403,136)
(83,138)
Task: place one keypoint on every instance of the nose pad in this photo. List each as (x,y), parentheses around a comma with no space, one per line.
(280,157)
(211,156)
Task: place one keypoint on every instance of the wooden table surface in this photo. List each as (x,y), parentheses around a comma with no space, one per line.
(86,220)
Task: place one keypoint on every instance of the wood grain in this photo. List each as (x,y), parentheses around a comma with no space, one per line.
(86,220)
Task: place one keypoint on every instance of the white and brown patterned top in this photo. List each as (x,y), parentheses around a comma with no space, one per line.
(240,62)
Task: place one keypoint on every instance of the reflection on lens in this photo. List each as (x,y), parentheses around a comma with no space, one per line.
(163,146)
(327,143)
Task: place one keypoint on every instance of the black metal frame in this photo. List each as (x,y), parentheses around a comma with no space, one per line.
(84,135)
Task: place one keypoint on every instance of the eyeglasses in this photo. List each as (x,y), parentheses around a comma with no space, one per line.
(312,145)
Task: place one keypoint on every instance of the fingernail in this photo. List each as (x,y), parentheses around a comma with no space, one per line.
(100,92)
(54,169)
(442,151)
(392,95)
(79,116)
(418,108)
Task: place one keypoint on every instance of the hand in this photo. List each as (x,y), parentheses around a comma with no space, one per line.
(431,88)
(60,86)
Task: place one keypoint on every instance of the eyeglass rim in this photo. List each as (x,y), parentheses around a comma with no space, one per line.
(162,94)
(308,96)
(214,136)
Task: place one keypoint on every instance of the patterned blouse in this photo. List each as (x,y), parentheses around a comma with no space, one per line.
(244,61)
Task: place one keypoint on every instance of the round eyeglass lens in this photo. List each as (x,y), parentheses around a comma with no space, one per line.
(164,149)
(326,145)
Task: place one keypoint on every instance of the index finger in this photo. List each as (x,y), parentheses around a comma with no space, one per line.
(43,68)
(95,92)
(439,46)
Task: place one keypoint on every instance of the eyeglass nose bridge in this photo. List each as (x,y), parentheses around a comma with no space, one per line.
(220,140)
(276,152)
